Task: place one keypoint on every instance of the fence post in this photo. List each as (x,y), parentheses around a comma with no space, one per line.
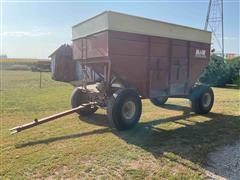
(40,80)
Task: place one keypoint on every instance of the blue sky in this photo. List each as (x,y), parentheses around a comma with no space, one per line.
(35,29)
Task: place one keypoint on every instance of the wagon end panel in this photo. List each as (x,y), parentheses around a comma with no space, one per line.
(92,52)
(128,53)
(93,46)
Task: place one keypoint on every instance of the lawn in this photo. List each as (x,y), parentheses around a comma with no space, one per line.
(168,143)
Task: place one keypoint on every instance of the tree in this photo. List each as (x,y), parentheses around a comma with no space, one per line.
(217,73)
(234,70)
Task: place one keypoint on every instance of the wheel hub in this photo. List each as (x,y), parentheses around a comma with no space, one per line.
(206,100)
(128,109)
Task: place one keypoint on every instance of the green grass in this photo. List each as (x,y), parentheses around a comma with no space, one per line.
(168,143)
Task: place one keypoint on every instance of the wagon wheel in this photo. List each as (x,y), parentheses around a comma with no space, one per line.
(159,101)
(202,99)
(80,97)
(124,109)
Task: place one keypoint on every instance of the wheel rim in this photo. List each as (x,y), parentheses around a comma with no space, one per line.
(128,110)
(206,100)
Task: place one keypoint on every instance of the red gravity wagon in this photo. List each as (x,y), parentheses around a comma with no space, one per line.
(116,60)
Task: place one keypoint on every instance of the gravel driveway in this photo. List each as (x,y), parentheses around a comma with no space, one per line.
(225,163)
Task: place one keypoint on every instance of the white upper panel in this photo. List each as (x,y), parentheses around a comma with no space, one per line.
(126,23)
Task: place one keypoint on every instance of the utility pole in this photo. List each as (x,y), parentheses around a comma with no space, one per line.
(222,30)
(214,23)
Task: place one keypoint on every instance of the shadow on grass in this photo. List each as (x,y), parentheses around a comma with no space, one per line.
(190,141)
(71,136)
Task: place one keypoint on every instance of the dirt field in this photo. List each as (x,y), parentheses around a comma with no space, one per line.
(168,143)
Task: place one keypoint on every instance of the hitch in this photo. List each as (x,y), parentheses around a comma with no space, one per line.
(37,122)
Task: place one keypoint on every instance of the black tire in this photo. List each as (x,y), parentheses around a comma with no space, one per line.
(159,101)
(80,97)
(124,109)
(202,99)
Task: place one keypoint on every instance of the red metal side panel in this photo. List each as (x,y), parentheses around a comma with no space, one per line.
(158,66)
(170,68)
(128,53)
(179,70)
(131,69)
(128,36)
(179,67)
(174,66)
(199,58)
(129,48)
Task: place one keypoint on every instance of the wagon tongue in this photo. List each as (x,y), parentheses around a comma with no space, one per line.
(47,119)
